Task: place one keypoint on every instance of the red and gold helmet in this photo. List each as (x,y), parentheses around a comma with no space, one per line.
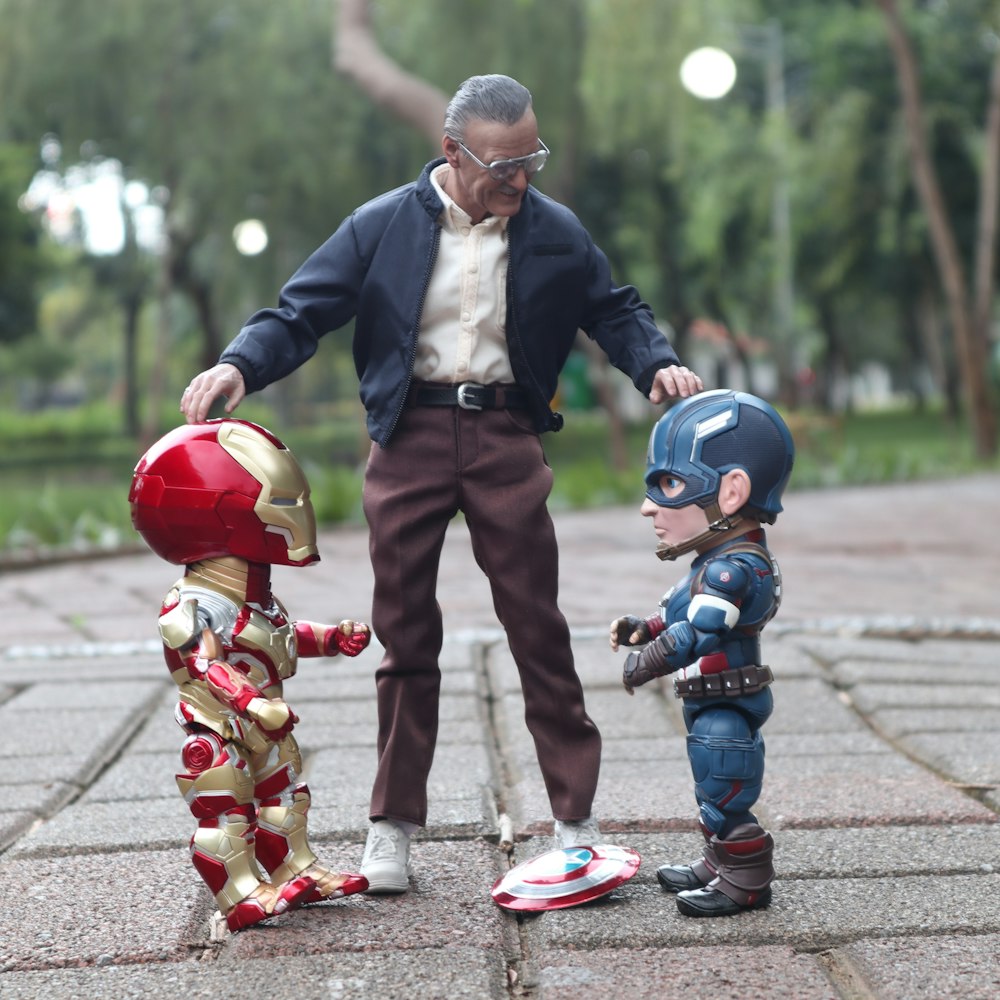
(223,488)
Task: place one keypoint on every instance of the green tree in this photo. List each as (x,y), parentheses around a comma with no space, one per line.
(228,110)
(22,260)
(970,305)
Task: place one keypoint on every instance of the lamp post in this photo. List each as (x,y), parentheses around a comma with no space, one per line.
(709,74)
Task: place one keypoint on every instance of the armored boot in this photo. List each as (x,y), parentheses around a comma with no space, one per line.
(268,900)
(219,793)
(283,848)
(677,878)
(744,872)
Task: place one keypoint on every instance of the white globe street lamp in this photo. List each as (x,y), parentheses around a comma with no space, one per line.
(708,73)
(250,237)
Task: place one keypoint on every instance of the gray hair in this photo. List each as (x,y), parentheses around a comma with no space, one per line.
(490,98)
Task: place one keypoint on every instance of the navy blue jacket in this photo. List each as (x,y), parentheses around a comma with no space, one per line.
(375,269)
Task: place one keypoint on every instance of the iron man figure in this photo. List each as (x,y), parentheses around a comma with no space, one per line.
(227,500)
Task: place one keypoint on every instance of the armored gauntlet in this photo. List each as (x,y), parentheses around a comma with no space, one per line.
(641,667)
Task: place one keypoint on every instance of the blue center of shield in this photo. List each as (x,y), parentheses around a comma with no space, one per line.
(557,863)
(576,859)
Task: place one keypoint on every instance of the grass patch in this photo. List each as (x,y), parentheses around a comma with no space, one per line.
(66,475)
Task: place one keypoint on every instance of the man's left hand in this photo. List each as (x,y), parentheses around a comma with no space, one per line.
(674,381)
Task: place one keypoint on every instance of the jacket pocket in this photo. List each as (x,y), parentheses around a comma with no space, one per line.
(552,249)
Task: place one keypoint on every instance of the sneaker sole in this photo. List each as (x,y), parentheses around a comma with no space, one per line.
(386,883)
(378,888)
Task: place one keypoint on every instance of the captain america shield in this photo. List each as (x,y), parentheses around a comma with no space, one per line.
(566,877)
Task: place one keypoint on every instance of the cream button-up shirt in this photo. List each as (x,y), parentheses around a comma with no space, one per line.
(463,326)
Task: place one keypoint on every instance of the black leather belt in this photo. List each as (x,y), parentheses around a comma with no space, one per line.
(469,396)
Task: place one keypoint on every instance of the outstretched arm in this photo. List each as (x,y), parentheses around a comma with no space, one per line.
(349,638)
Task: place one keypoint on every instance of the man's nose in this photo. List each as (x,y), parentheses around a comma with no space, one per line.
(519,179)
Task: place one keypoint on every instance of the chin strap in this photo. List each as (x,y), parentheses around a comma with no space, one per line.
(717,522)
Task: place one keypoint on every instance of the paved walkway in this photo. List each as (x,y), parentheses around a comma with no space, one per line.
(881,789)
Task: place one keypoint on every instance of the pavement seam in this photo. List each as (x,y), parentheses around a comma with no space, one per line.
(845,976)
(842,691)
(102,759)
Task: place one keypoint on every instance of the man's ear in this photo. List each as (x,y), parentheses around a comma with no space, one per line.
(734,491)
(451,150)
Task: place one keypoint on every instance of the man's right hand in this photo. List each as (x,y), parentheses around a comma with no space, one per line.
(222,380)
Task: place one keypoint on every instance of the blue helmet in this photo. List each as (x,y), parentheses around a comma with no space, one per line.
(704,436)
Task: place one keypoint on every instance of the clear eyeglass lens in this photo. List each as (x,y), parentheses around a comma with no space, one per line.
(502,170)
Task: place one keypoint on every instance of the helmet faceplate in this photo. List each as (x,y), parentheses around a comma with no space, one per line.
(223,488)
(705,436)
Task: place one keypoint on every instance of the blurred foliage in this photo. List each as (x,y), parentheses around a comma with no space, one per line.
(66,482)
(225,110)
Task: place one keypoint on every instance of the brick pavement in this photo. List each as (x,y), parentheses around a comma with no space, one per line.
(881,789)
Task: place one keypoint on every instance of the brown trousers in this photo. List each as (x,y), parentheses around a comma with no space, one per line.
(489,465)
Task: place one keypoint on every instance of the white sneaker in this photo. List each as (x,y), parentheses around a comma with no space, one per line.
(386,861)
(577,833)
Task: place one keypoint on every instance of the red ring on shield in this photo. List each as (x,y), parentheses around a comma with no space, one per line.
(566,877)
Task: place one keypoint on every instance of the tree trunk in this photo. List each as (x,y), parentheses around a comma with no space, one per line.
(714,303)
(986,224)
(356,54)
(200,294)
(156,388)
(836,368)
(970,341)
(131,309)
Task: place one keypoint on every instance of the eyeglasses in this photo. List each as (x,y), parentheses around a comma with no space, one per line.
(503,170)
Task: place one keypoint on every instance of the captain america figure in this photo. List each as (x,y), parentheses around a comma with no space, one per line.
(716,467)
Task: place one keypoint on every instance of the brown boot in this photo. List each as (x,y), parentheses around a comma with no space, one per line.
(743,879)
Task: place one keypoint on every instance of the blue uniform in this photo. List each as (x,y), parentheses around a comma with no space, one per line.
(712,621)
(730,454)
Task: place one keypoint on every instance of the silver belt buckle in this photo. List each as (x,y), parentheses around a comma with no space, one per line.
(463,401)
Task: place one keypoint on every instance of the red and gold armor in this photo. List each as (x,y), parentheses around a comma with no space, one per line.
(229,500)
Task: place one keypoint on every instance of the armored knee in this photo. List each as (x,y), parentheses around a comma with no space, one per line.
(217,779)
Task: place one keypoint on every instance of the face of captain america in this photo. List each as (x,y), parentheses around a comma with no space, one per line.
(680,527)
(674,525)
